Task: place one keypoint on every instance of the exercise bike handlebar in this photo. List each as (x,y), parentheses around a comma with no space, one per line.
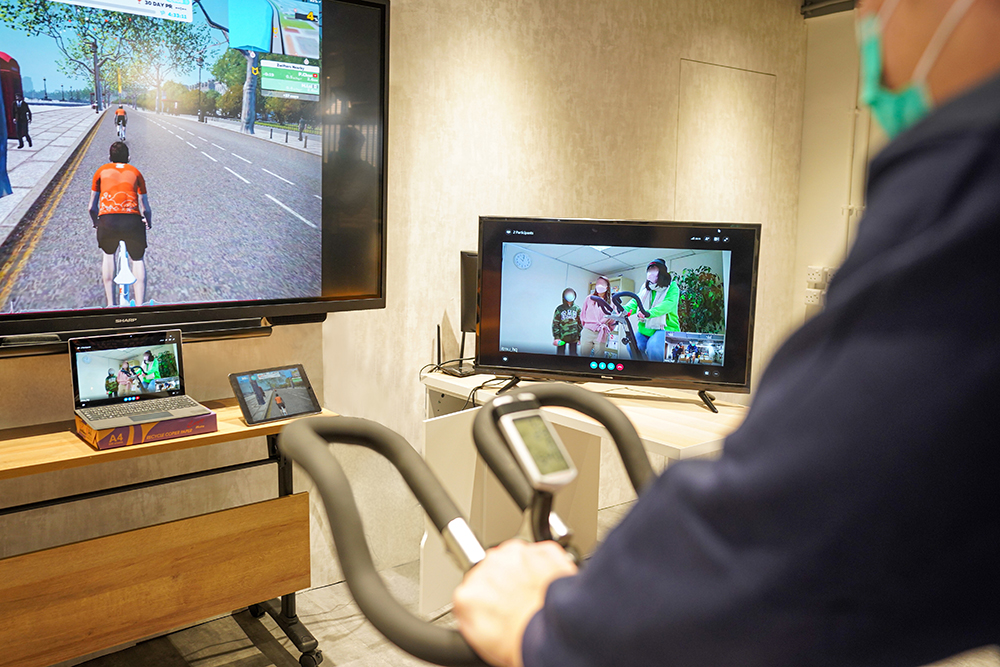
(306,441)
(499,459)
(617,299)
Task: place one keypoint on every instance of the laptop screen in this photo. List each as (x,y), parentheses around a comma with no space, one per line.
(126,367)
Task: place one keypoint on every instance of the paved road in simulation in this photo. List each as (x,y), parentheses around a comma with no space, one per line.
(296,401)
(233,218)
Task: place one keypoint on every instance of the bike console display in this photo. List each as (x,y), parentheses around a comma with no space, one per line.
(534,443)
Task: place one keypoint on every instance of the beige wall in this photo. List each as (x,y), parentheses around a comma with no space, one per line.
(571,108)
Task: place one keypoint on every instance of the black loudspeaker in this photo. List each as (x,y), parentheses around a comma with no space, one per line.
(470,290)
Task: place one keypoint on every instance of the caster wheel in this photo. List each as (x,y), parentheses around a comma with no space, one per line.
(312,659)
(256,610)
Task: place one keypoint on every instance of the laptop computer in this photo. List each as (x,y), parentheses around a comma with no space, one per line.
(130,379)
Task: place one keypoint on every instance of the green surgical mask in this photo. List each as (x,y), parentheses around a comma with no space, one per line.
(896,111)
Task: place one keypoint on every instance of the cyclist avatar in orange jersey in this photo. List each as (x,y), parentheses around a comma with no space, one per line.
(121,120)
(118,193)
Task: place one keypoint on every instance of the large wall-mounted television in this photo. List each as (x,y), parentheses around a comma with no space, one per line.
(697,282)
(259,128)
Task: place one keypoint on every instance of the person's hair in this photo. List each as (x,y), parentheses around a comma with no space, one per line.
(568,289)
(111,371)
(607,282)
(123,363)
(148,355)
(119,152)
(663,279)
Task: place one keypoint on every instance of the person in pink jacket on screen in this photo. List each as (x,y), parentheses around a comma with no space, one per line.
(596,324)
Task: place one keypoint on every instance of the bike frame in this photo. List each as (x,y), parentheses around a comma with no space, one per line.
(124,279)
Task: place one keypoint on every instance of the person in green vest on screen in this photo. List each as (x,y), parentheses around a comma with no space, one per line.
(659,295)
(150,371)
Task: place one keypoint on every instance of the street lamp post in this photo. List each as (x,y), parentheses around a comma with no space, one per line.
(201,114)
(62,92)
(45,89)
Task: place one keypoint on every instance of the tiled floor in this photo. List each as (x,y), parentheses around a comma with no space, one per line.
(345,637)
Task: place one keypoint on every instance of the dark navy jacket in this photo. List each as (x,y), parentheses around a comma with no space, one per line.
(854,518)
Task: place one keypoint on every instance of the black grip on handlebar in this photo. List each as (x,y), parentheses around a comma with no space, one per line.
(499,459)
(605,306)
(617,298)
(306,441)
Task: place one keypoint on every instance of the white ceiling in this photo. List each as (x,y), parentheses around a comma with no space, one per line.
(606,261)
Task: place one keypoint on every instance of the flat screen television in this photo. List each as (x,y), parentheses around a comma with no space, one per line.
(537,275)
(259,129)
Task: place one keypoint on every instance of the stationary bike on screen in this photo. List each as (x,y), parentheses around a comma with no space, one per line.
(618,314)
(519,445)
(124,278)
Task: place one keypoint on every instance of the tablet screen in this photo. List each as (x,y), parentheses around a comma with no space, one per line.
(274,393)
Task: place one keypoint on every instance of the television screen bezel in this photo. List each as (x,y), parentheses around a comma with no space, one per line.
(23,333)
(536,372)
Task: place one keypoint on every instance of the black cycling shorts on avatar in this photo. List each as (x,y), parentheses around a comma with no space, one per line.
(128,227)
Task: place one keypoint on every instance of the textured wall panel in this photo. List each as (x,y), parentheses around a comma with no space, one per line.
(725,128)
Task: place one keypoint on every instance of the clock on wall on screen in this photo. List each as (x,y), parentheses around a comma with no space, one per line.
(522,260)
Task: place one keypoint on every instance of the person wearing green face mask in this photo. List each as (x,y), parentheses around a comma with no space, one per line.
(896,110)
(852,518)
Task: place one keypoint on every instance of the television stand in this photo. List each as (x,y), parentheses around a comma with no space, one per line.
(510,384)
(708,399)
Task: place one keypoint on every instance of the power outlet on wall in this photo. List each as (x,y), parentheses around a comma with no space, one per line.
(814,297)
(816,275)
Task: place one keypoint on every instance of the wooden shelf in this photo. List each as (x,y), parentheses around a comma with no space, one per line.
(37,449)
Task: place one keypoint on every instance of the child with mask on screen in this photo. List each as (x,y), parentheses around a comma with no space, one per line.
(566,324)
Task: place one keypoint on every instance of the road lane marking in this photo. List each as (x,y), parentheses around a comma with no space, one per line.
(290,211)
(242,158)
(276,176)
(189,132)
(203,138)
(317,196)
(208,156)
(219,147)
(236,175)
(190,144)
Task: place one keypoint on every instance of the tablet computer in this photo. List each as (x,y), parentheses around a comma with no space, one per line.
(276,393)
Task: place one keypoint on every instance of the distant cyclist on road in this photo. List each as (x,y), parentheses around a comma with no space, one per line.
(121,120)
(118,192)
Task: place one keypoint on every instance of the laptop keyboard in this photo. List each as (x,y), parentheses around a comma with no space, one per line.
(140,407)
